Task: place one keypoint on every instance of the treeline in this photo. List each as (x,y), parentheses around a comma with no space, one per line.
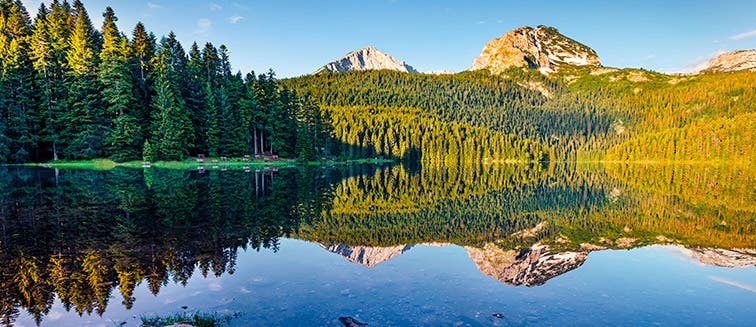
(70,91)
(408,134)
(511,105)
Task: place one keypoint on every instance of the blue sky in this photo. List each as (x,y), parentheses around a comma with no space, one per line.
(297,37)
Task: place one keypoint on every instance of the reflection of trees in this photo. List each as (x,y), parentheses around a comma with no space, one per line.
(80,234)
(573,205)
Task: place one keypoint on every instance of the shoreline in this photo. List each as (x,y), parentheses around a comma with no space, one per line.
(107,164)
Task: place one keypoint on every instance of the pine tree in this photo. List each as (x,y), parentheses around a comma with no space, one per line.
(124,139)
(17,87)
(195,99)
(172,126)
(49,47)
(143,46)
(229,94)
(210,65)
(86,121)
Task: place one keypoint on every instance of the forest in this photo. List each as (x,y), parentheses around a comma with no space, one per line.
(71,91)
(575,114)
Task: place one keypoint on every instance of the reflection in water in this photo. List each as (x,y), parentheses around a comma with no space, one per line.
(80,235)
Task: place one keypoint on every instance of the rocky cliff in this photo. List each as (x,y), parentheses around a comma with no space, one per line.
(542,48)
(367,58)
(730,61)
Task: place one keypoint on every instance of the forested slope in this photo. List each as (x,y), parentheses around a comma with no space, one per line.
(579,113)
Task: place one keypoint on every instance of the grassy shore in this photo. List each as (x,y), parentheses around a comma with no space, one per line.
(107,164)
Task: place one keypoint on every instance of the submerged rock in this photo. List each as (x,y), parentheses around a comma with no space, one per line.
(351,322)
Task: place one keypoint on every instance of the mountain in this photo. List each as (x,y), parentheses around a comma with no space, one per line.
(542,48)
(367,58)
(730,61)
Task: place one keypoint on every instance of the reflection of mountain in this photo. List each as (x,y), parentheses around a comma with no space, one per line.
(368,256)
(529,267)
(535,265)
(722,257)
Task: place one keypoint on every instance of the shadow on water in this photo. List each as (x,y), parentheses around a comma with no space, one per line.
(79,235)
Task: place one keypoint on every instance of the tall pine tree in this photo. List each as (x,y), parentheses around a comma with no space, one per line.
(172,126)
(124,140)
(86,123)
(17,87)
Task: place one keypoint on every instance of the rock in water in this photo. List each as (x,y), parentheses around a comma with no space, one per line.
(542,48)
(367,58)
(351,322)
(729,62)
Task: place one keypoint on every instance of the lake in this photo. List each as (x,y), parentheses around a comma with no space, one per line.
(387,245)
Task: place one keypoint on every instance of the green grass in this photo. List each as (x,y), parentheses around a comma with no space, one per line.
(196,319)
(107,164)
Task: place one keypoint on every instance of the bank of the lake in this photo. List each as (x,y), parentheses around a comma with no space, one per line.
(107,164)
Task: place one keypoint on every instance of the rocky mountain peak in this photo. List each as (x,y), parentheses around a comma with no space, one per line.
(367,58)
(542,48)
(730,61)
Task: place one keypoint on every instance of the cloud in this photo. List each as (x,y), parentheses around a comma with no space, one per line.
(744,35)
(153,5)
(235,19)
(204,26)
(215,7)
(214,286)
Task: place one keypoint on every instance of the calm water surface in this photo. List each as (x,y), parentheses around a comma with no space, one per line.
(507,245)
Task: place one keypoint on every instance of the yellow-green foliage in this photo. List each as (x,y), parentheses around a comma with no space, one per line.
(720,139)
(406,133)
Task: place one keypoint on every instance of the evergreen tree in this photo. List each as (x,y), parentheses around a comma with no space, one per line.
(17,87)
(124,139)
(195,99)
(171,129)
(143,46)
(49,47)
(86,123)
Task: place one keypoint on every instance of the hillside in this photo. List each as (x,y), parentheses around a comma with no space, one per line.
(579,112)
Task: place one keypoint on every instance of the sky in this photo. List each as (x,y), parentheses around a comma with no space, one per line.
(297,37)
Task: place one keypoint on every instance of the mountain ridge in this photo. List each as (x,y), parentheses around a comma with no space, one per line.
(729,62)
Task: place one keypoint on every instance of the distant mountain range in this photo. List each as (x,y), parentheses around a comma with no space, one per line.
(543,48)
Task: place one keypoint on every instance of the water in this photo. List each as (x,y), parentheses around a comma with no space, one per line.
(387,245)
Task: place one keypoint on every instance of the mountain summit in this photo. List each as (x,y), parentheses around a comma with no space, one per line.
(367,58)
(542,48)
(730,61)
